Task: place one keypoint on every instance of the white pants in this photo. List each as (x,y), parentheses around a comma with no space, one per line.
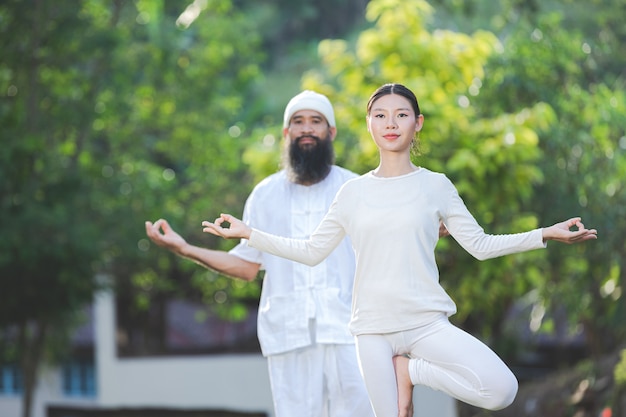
(444,358)
(318,381)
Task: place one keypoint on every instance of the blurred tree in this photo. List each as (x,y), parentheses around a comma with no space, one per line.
(112,113)
(581,77)
(291,24)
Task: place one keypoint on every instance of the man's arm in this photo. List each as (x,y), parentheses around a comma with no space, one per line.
(161,233)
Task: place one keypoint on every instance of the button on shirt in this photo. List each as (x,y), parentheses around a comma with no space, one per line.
(292,293)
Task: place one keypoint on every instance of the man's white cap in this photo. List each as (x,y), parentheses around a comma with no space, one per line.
(309,100)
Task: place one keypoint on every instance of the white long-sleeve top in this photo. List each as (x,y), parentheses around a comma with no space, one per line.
(393,224)
(294,294)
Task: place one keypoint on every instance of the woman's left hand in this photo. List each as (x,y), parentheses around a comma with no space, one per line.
(561,232)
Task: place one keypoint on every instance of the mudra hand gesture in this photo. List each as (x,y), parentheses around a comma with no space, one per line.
(561,232)
(236,230)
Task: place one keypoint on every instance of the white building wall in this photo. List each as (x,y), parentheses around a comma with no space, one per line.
(232,382)
(10,406)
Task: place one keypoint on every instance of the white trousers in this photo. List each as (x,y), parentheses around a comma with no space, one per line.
(318,381)
(444,358)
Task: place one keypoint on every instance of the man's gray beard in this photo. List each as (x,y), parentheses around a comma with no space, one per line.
(310,165)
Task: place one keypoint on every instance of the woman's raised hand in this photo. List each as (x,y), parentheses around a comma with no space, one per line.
(236,229)
(561,232)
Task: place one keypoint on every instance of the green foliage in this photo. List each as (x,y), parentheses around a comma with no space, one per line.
(620,370)
(45,202)
(288,26)
(112,114)
(583,160)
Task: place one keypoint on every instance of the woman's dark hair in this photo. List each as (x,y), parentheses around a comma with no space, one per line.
(394,88)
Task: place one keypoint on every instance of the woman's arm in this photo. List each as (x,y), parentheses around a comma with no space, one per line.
(471,236)
(310,251)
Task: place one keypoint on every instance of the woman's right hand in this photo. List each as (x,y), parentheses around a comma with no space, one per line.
(235,230)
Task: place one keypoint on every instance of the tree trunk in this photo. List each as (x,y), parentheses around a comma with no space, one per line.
(31,340)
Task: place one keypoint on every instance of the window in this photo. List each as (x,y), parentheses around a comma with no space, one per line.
(10,380)
(183,327)
(79,378)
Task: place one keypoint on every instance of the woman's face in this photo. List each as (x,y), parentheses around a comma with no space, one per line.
(393,123)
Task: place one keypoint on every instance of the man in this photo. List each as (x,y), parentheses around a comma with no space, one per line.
(304,311)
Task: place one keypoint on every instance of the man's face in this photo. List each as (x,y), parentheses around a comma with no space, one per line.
(307,125)
(309,152)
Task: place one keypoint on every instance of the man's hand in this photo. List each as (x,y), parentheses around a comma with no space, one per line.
(561,232)
(236,230)
(163,235)
(443,232)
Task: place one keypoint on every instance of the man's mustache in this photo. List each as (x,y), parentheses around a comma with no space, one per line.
(317,139)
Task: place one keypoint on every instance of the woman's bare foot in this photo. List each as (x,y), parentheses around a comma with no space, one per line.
(405,386)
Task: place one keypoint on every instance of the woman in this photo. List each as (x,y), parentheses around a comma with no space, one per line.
(399,310)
